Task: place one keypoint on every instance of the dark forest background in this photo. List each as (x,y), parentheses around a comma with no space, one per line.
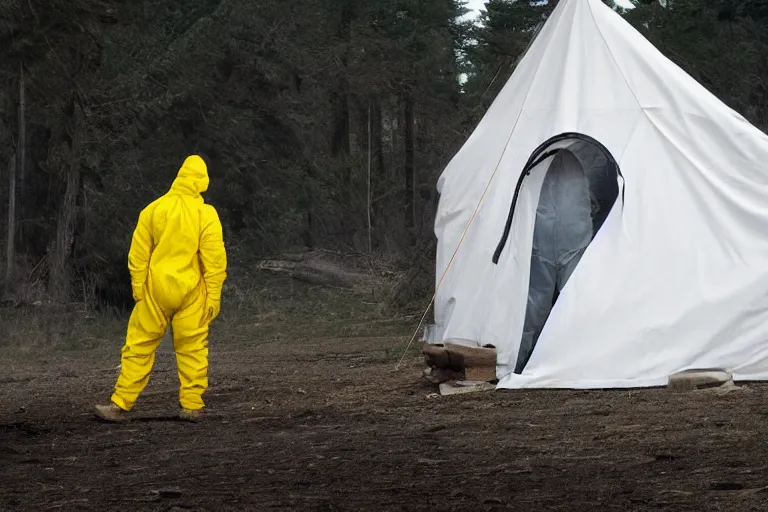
(325,124)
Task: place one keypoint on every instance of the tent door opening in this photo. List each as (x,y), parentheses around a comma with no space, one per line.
(578,191)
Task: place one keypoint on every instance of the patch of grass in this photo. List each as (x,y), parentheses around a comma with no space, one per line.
(393,354)
(255,309)
(33,332)
(66,327)
(280,308)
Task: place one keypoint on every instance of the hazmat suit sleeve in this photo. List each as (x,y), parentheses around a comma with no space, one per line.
(213,259)
(139,255)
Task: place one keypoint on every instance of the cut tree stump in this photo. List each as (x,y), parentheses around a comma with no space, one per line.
(690,380)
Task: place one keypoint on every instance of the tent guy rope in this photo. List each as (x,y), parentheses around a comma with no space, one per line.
(453,257)
(482,197)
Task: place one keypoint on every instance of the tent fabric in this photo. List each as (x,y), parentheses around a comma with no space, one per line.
(677,276)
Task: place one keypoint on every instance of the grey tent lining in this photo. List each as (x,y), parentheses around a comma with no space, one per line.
(562,231)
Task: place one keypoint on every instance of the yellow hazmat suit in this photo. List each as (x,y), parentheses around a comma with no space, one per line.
(178,265)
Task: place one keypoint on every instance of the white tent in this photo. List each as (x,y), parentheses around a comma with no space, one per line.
(677,276)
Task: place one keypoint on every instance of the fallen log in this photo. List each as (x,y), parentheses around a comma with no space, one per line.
(307,273)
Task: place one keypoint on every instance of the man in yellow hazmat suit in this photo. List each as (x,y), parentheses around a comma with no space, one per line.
(178,264)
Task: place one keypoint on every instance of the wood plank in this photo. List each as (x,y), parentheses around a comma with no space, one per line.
(480,373)
(477,363)
(447,389)
(472,356)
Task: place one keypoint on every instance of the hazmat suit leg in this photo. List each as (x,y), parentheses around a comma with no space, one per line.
(146,328)
(190,342)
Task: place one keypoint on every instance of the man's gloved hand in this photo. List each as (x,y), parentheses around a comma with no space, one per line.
(212,308)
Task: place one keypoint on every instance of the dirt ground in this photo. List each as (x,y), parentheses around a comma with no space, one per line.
(327,425)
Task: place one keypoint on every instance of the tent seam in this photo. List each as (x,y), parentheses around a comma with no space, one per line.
(535,74)
(613,57)
(629,137)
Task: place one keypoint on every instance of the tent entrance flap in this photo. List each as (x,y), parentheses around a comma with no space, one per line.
(599,165)
(578,191)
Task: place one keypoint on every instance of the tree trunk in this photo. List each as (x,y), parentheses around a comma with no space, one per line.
(410,170)
(378,167)
(60,251)
(368,195)
(10,253)
(378,139)
(340,144)
(21,149)
(16,169)
(340,139)
(309,206)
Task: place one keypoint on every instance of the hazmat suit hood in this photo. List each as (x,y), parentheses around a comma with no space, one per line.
(192,179)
